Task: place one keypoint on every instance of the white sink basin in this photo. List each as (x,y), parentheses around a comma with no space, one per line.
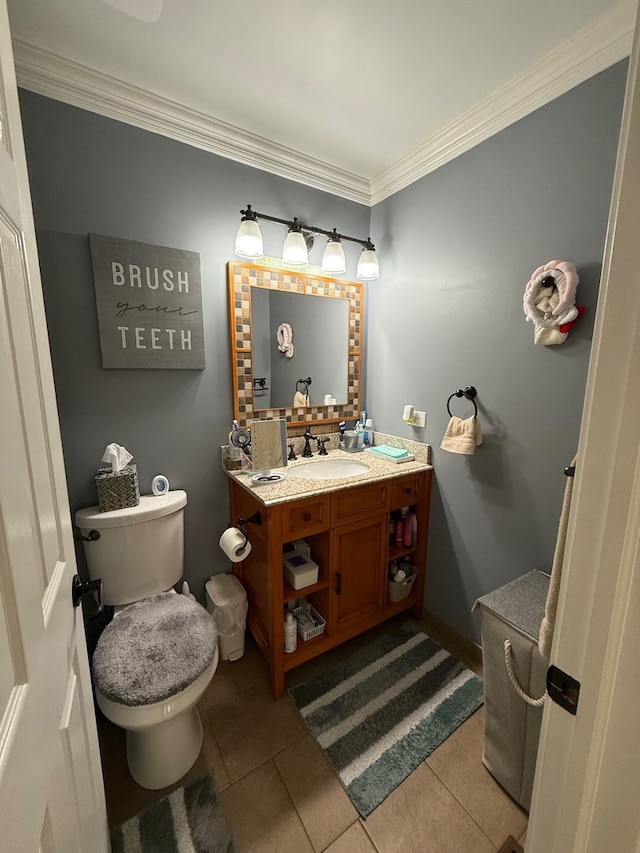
(328,469)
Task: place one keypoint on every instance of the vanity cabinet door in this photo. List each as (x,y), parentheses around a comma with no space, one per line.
(358,571)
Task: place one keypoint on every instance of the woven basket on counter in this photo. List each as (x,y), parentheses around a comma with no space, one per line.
(117,490)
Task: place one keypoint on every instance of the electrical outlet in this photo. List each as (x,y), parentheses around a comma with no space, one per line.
(419,419)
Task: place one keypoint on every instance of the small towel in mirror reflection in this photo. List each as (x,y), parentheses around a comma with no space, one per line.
(462,435)
(300,400)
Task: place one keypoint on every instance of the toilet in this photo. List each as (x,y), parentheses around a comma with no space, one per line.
(156,657)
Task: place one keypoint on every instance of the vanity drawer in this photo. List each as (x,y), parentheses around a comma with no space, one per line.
(305,517)
(407,490)
(357,503)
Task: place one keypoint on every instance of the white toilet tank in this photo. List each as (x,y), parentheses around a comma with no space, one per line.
(140,551)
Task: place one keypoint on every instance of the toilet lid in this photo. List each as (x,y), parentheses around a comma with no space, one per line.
(153,649)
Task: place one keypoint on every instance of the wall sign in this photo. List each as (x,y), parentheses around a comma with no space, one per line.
(149,302)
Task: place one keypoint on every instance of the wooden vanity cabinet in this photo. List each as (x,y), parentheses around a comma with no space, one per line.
(348,532)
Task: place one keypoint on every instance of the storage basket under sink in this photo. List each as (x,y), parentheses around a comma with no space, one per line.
(306,627)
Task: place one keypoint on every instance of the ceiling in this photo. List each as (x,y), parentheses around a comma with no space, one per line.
(357,97)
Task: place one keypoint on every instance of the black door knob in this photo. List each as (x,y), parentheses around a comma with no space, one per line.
(93,588)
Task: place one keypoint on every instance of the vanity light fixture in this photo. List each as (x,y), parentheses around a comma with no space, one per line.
(294,251)
(249,236)
(299,240)
(333,259)
(368,267)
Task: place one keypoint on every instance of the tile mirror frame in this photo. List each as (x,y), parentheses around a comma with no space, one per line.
(241,278)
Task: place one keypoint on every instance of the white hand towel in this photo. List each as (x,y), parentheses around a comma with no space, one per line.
(300,400)
(462,436)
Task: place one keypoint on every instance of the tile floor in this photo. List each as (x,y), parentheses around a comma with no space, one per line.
(280,795)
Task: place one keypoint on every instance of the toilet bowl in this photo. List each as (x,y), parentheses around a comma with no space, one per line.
(163,739)
(150,667)
(156,657)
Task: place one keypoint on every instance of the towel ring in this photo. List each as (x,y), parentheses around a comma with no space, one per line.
(469,393)
(305,385)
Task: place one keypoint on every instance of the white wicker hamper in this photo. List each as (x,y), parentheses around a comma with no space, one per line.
(512,727)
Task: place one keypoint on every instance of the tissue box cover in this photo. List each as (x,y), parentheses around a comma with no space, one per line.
(119,490)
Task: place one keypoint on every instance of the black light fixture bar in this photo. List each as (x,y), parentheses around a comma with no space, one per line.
(295,253)
(249,213)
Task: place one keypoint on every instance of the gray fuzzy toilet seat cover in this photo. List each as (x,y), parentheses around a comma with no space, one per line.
(153,649)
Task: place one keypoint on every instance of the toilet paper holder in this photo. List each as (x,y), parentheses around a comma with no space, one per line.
(241,524)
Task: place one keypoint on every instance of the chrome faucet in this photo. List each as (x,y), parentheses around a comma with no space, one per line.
(307,446)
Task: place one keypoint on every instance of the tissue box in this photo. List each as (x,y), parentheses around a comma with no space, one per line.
(119,490)
(299,570)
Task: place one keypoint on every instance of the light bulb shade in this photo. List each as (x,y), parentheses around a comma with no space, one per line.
(294,251)
(333,259)
(368,267)
(249,240)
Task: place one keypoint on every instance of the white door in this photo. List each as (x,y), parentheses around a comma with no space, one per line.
(587,788)
(51,793)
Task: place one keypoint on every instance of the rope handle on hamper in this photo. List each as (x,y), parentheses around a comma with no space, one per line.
(537,703)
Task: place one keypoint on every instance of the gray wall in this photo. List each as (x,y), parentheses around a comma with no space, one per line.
(90,174)
(456,250)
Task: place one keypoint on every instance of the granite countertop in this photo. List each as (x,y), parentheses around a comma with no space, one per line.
(294,488)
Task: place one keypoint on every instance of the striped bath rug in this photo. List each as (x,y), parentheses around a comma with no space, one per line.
(189,820)
(383,709)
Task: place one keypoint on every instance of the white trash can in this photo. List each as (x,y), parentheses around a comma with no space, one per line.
(227,602)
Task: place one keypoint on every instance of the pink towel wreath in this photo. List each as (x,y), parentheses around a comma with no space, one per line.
(549,313)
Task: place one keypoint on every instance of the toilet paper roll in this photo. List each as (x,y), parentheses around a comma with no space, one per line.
(232,542)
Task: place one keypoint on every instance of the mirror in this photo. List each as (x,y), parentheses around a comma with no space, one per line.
(270,309)
(295,337)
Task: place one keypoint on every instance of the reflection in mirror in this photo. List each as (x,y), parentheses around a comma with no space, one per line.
(318,347)
(325,316)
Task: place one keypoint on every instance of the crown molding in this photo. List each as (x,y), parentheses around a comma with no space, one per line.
(593,49)
(47,74)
